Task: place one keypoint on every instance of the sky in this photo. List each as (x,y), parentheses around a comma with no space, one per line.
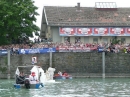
(72,3)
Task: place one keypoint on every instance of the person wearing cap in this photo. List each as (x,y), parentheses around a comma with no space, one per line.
(33,78)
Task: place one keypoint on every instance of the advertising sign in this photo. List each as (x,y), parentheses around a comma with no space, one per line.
(34,51)
(84,31)
(76,49)
(127,31)
(117,31)
(67,31)
(100,32)
(95,31)
(3,52)
(34,60)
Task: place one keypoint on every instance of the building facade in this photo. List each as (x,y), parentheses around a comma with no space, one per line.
(99,24)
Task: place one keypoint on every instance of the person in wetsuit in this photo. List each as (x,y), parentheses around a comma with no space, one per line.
(20,79)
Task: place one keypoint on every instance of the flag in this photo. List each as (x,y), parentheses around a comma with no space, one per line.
(17,71)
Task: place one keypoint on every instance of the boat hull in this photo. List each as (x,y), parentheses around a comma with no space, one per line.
(70,77)
(32,86)
(59,77)
(62,77)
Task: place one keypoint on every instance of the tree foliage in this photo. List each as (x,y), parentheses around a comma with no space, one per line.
(17,17)
(115,41)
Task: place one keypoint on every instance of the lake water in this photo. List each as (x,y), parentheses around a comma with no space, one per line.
(89,87)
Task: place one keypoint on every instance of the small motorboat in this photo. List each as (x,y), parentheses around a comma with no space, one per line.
(24,82)
(57,76)
(62,76)
(27,85)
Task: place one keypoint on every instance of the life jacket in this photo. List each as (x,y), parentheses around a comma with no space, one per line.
(33,78)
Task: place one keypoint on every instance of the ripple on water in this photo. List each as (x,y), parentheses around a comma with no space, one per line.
(93,87)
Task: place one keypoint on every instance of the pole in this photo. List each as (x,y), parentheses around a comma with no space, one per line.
(103,64)
(50,57)
(8,55)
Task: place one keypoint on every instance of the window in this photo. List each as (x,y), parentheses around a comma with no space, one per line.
(123,40)
(67,39)
(105,40)
(77,39)
(95,40)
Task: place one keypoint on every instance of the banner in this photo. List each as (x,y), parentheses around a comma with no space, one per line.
(117,31)
(95,31)
(34,51)
(127,31)
(100,49)
(84,31)
(76,49)
(3,52)
(100,32)
(67,31)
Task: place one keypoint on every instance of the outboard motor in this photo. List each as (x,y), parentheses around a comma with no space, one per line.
(27,83)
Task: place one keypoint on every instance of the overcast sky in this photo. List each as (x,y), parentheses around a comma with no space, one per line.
(83,3)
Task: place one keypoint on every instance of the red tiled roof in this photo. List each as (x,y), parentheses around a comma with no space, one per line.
(87,16)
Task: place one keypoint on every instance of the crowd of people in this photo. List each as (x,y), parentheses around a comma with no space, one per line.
(115,48)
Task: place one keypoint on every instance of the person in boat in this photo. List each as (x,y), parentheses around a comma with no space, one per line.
(47,75)
(65,74)
(33,78)
(51,72)
(60,73)
(40,74)
(20,79)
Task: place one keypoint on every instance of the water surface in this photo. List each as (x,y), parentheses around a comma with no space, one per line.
(89,87)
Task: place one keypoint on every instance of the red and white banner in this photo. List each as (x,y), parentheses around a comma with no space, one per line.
(84,31)
(67,31)
(117,31)
(76,49)
(100,31)
(127,30)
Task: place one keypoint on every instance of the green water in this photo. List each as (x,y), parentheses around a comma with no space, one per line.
(89,87)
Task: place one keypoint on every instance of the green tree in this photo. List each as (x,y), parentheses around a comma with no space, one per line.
(17,18)
(115,40)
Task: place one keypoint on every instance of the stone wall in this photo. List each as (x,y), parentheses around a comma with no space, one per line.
(78,64)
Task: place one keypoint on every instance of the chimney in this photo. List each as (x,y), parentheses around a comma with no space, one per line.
(78,6)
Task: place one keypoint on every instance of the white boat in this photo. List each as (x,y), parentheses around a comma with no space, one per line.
(25,82)
(39,73)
